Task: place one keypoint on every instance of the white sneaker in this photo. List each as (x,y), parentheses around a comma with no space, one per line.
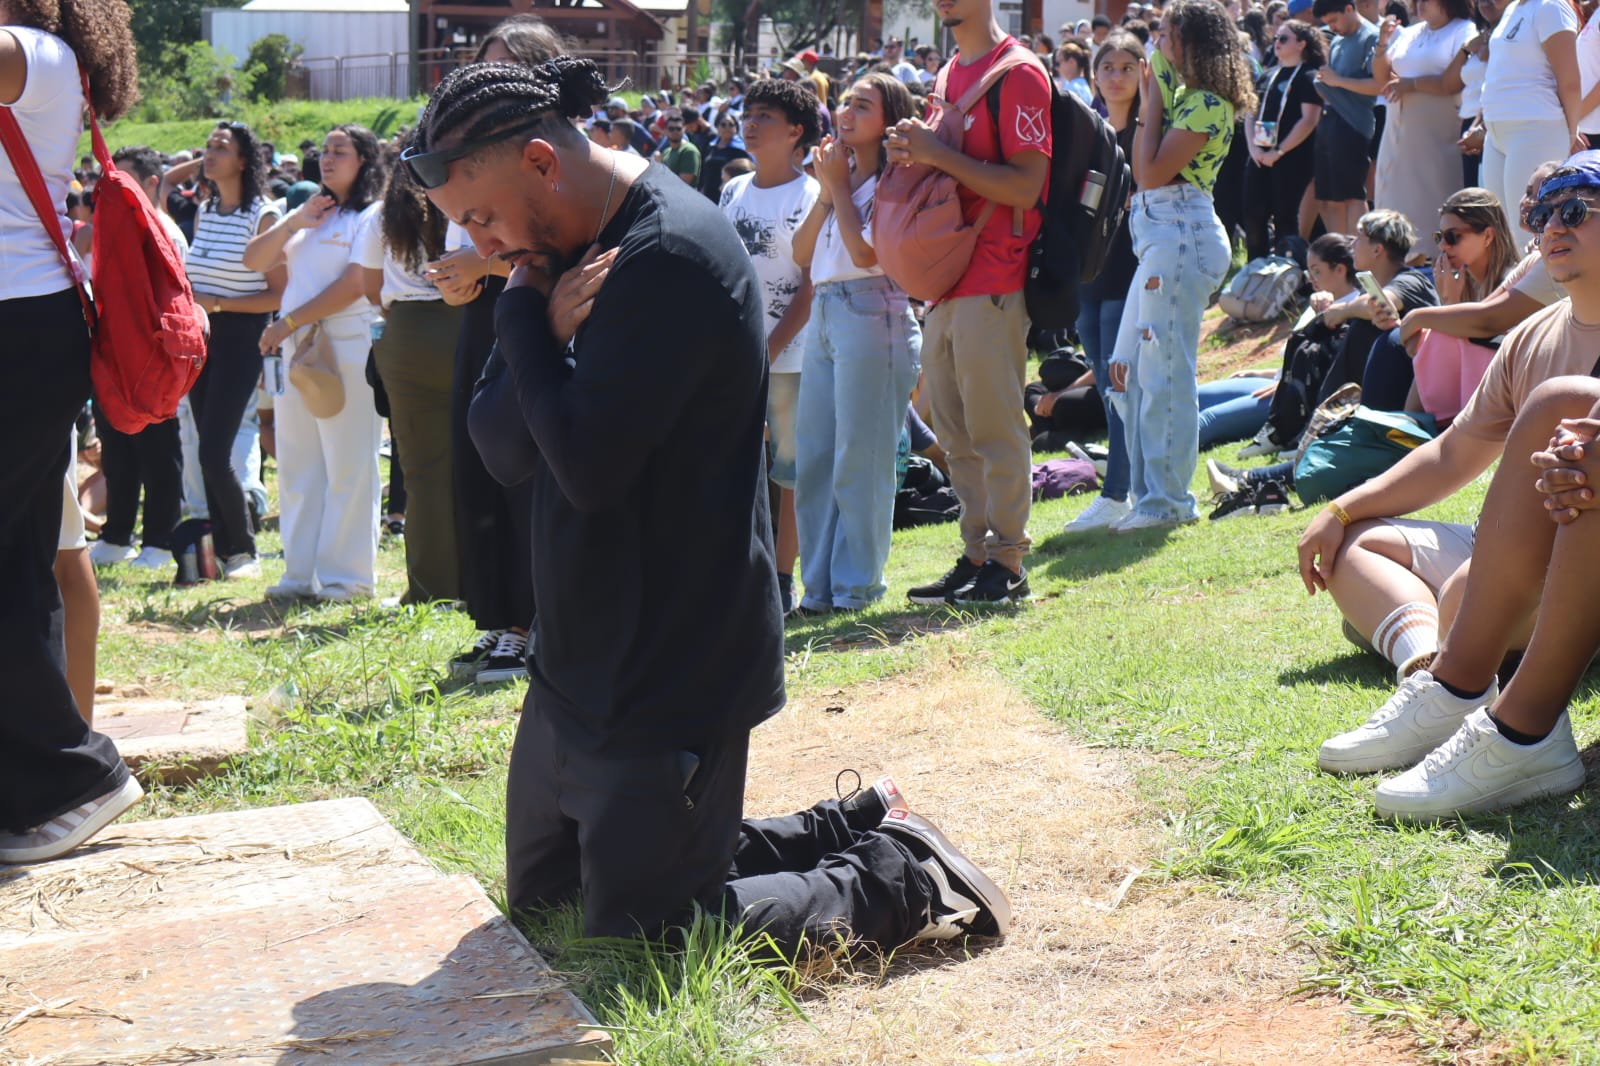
(152,559)
(1261,444)
(241,566)
(65,832)
(1136,520)
(289,592)
(1101,514)
(1479,770)
(105,553)
(1421,715)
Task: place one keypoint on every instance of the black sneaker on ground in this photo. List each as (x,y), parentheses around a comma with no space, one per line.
(1272,497)
(866,807)
(944,590)
(994,584)
(466,665)
(508,660)
(965,901)
(1241,501)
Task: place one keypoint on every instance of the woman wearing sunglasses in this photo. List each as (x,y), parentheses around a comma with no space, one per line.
(1477,254)
(328,481)
(725,149)
(1279,135)
(1418,163)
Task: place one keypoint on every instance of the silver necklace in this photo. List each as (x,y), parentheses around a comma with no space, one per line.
(606,210)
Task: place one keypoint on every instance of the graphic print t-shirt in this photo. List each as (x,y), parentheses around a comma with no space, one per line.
(765,220)
(1000,260)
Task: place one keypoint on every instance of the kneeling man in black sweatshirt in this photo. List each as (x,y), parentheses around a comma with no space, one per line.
(660,640)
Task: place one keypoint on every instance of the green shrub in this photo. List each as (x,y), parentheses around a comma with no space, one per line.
(285,123)
(268,65)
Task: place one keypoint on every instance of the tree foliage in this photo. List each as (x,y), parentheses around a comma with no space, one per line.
(191,81)
(797,24)
(159,25)
(268,66)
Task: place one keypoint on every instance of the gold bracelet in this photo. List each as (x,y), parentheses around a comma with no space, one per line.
(1338,512)
(289,319)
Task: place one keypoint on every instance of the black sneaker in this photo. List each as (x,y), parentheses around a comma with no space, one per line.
(965,901)
(866,808)
(508,661)
(1241,501)
(958,577)
(465,665)
(1272,497)
(995,583)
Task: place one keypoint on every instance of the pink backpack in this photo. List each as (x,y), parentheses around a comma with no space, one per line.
(923,242)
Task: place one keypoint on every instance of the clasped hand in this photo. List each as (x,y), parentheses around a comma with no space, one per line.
(1566,469)
(571,296)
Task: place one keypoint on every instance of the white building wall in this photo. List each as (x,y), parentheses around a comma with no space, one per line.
(320,33)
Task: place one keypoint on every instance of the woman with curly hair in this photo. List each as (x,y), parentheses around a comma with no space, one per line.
(60,782)
(413,357)
(232,211)
(1191,89)
(328,482)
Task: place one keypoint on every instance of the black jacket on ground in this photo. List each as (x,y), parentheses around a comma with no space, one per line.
(659,622)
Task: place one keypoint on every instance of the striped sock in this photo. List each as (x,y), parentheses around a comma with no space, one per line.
(1409,636)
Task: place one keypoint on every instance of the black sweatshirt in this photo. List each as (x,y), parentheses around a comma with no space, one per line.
(659,622)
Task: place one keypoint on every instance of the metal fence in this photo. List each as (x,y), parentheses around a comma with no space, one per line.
(399,75)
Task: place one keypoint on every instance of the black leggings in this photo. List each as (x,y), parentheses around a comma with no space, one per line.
(50,761)
(1275,192)
(219,399)
(152,460)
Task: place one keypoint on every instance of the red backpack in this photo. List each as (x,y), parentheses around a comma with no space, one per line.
(921,238)
(149,335)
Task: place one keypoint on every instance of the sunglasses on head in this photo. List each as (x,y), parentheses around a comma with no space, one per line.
(432,169)
(1572,212)
(1451,237)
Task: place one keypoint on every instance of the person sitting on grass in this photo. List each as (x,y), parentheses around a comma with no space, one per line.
(1395,578)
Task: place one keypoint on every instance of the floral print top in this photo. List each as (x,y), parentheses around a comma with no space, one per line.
(1197,111)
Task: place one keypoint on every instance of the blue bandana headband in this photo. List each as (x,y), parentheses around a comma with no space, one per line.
(1585,167)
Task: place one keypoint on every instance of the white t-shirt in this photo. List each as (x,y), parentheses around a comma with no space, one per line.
(1520,86)
(1589,68)
(1418,51)
(398,282)
(1472,72)
(766,220)
(216,261)
(175,235)
(906,72)
(317,257)
(831,261)
(50,113)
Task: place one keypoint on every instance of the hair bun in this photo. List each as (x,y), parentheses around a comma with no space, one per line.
(580,85)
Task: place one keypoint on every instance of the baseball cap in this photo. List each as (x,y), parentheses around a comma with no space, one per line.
(808,56)
(616,101)
(1580,171)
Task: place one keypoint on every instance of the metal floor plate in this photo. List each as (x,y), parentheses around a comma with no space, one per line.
(306,934)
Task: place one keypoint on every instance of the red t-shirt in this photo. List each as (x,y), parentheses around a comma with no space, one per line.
(1000,260)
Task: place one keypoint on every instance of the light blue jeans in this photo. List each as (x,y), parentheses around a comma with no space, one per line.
(1183,255)
(1098,322)
(861,364)
(1228,411)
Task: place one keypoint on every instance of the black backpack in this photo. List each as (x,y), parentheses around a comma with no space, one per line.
(1090,182)
(1308,356)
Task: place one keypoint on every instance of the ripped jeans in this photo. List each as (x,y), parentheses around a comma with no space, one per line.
(1183,256)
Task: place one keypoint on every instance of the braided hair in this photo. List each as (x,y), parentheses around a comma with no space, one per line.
(483,98)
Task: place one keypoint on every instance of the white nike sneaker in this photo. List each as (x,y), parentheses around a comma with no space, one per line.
(1101,514)
(1479,770)
(1136,520)
(1421,715)
(152,559)
(105,553)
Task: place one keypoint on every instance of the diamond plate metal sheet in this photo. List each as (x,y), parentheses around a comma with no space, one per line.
(381,962)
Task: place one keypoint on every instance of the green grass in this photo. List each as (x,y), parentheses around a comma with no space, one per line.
(1197,651)
(285,123)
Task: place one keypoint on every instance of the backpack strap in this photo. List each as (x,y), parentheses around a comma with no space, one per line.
(1014,56)
(26,167)
(1019,217)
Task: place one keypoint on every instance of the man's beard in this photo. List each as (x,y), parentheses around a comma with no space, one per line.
(951,22)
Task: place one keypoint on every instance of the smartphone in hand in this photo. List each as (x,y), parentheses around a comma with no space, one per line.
(1370,286)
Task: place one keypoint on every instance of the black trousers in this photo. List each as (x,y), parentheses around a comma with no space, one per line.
(494,523)
(1386,382)
(152,460)
(1274,193)
(1228,192)
(50,762)
(219,399)
(640,847)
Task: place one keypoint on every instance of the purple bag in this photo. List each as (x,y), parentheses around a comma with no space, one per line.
(1063,477)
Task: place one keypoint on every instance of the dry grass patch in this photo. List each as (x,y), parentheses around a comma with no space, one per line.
(1099,954)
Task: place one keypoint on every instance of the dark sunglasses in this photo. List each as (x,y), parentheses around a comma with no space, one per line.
(1573,213)
(1286,38)
(432,169)
(1451,237)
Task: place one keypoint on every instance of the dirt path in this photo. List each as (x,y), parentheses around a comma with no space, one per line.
(1104,967)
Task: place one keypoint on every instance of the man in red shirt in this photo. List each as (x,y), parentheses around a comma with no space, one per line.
(974,345)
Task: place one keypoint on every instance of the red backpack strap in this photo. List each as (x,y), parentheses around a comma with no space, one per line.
(32,181)
(1015,56)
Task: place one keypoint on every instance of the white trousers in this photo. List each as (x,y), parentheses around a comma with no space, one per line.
(328,480)
(1512,151)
